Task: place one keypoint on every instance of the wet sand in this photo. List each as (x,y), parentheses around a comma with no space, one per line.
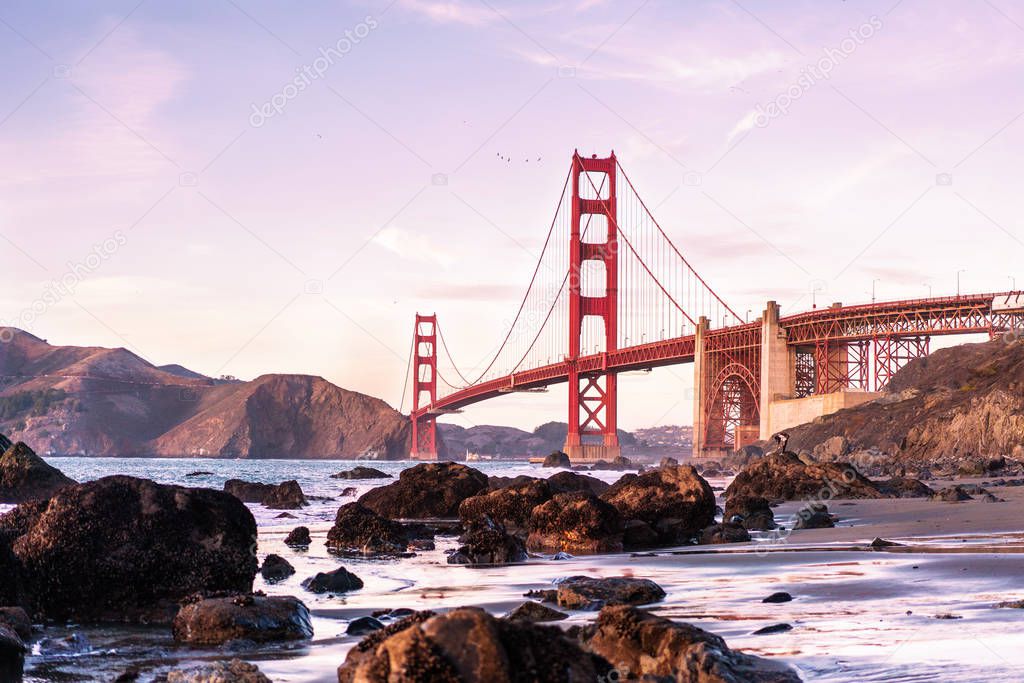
(857,614)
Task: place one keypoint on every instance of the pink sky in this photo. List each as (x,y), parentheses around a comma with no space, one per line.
(306,244)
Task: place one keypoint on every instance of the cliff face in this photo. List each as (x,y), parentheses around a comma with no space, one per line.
(95,401)
(965,403)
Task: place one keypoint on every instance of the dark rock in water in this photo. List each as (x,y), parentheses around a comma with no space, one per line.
(557,459)
(1011,604)
(75,644)
(285,515)
(234,671)
(298,537)
(952,494)
(24,476)
(779,597)
(668,462)
(579,523)
(285,496)
(424,544)
(510,506)
(199,473)
(652,648)
(468,645)
(348,491)
(675,502)
(619,463)
(726,532)
(360,530)
(557,557)
(814,516)
(535,612)
(17,620)
(637,535)
(882,543)
(753,513)
(784,476)
(486,542)
(258,618)
(586,593)
(275,568)
(12,654)
(338,581)
(774,628)
(904,487)
(248,491)
(568,482)
(428,490)
(132,674)
(127,549)
(363,626)
(360,472)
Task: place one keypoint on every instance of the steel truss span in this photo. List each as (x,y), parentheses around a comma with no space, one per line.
(612,293)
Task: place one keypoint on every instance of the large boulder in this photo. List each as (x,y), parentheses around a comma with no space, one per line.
(726,532)
(12,654)
(587,593)
(428,490)
(676,502)
(577,523)
(510,506)
(753,513)
(469,645)
(650,647)
(234,671)
(248,491)
(359,530)
(557,459)
(13,590)
(360,472)
(785,476)
(904,487)
(567,482)
(486,542)
(126,549)
(24,476)
(275,568)
(287,495)
(339,580)
(256,618)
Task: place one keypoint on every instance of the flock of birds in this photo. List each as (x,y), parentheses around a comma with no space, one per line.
(508,159)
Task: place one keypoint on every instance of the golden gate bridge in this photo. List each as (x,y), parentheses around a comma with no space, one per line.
(611,293)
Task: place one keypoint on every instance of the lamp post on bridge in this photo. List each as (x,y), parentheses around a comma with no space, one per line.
(925,284)
(873,288)
(1013,283)
(962,270)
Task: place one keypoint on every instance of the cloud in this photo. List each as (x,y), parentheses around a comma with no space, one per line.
(451,12)
(742,126)
(413,247)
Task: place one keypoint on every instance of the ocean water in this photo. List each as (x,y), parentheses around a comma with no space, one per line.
(856,616)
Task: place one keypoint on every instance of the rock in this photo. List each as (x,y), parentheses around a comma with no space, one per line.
(832,448)
(648,647)
(256,618)
(638,535)
(753,513)
(360,530)
(668,462)
(247,491)
(557,459)
(285,515)
(13,589)
(814,516)
(882,543)
(774,628)
(559,557)
(579,523)
(362,626)
(338,581)
(428,490)
(199,473)
(348,491)
(568,482)
(12,654)
(951,494)
(234,671)
(724,533)
(486,542)
(275,568)
(779,597)
(904,487)
(989,498)
(783,476)
(510,506)
(676,502)
(17,620)
(1011,604)
(535,612)
(586,593)
(615,464)
(469,645)
(127,549)
(298,537)
(285,496)
(424,544)
(24,476)
(360,472)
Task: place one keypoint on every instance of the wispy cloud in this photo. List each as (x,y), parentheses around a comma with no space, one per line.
(452,11)
(413,246)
